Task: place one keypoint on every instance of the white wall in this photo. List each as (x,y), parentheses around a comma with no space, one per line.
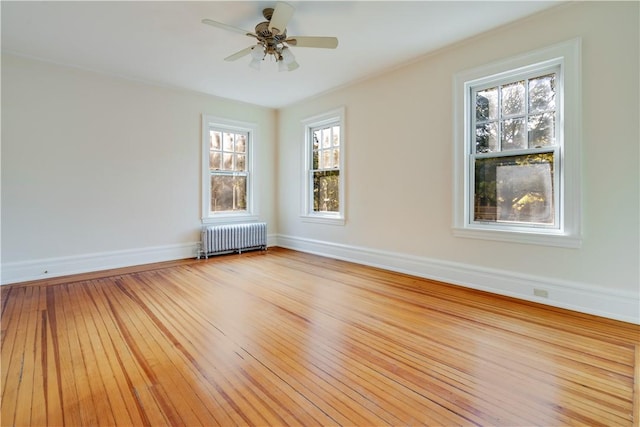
(98,171)
(399,214)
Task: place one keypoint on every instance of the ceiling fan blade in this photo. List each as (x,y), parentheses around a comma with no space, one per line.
(227,27)
(280,18)
(240,54)
(321,42)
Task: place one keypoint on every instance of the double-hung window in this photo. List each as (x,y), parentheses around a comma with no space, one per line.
(516,151)
(517,175)
(323,196)
(227,172)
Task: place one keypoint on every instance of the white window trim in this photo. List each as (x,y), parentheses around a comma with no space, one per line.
(569,232)
(308,215)
(251,214)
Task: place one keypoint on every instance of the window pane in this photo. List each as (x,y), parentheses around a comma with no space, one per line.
(227,162)
(326,160)
(513,98)
(487,104)
(315,160)
(241,162)
(336,136)
(516,189)
(214,160)
(227,142)
(317,136)
(541,130)
(228,193)
(514,134)
(487,138)
(241,143)
(336,157)
(542,93)
(215,139)
(326,138)
(326,191)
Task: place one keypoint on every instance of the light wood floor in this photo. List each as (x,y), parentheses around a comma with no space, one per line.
(283,337)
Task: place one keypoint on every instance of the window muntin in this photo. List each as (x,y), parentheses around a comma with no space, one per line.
(515,152)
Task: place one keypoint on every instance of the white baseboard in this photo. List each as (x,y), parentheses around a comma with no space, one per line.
(23,271)
(599,301)
(13,272)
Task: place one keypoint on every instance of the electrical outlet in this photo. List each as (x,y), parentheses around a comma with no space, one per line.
(541,293)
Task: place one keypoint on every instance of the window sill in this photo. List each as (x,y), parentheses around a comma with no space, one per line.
(229,218)
(322,219)
(532,238)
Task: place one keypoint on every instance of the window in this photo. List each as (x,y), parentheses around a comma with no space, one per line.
(516,153)
(324,168)
(226,169)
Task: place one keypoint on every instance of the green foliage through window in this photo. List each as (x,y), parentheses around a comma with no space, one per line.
(515,189)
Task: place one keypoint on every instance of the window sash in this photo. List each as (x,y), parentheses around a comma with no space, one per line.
(514,224)
(323,185)
(502,81)
(237,199)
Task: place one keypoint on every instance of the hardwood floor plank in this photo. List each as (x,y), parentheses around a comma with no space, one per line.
(62,355)
(25,390)
(287,338)
(10,360)
(50,368)
(636,387)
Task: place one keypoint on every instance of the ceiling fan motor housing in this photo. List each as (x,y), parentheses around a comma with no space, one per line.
(262,30)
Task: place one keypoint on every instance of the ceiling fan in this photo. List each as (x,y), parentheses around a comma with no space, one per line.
(273,40)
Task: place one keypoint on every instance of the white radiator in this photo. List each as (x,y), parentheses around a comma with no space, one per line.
(233,237)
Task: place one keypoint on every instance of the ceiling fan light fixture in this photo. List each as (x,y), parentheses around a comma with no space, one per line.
(286,60)
(257,54)
(287,57)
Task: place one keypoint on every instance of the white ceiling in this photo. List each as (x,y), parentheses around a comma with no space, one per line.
(164,42)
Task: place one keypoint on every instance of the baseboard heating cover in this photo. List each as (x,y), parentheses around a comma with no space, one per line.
(218,239)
